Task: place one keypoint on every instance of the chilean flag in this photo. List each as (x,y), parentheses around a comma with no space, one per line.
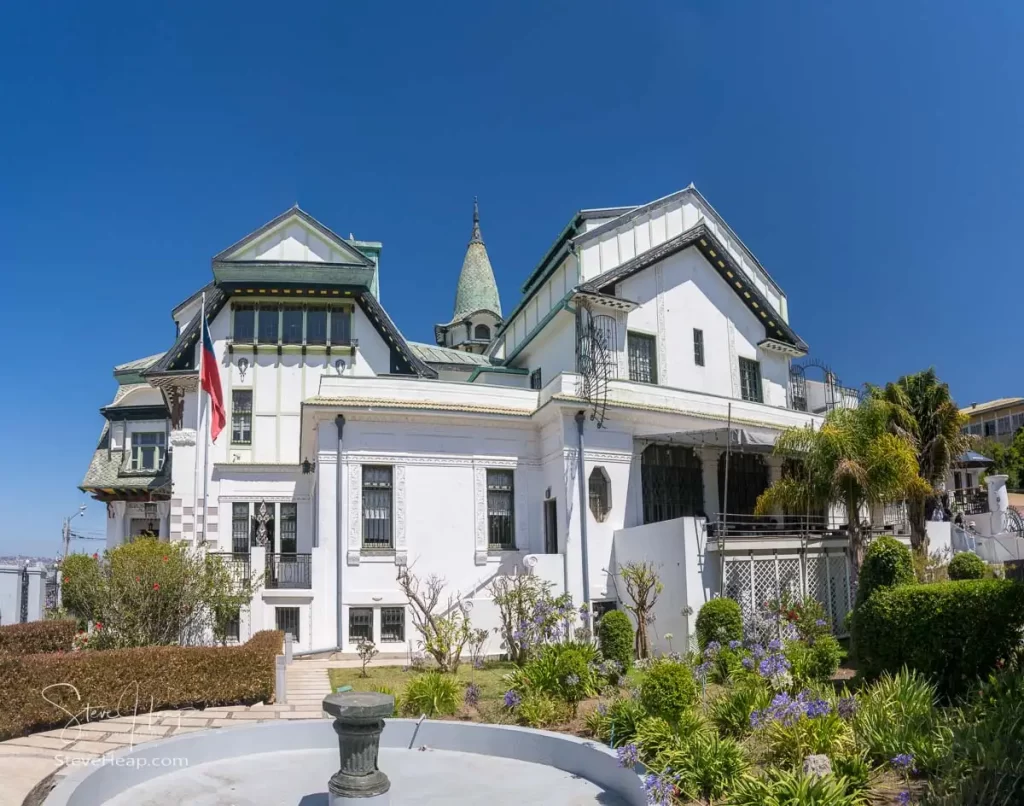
(210,381)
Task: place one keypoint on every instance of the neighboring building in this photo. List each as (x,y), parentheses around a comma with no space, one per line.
(997,419)
(24,586)
(351,452)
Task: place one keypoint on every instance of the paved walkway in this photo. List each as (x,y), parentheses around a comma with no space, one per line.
(25,761)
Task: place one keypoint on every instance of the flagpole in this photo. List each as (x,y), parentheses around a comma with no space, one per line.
(206,445)
(199,416)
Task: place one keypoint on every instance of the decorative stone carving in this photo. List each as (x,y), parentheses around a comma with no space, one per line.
(480,514)
(355,509)
(183,437)
(262,518)
(401,547)
(358,721)
(243,367)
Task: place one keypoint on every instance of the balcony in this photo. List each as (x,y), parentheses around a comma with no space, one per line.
(289,572)
(969,500)
(237,564)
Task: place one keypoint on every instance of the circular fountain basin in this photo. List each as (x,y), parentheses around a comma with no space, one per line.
(288,763)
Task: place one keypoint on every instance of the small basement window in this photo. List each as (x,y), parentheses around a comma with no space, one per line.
(360,623)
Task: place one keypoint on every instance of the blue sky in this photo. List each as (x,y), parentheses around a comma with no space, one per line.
(868,153)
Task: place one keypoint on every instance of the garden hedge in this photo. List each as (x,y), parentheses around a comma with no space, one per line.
(719,620)
(165,677)
(615,637)
(37,636)
(887,563)
(967,565)
(952,632)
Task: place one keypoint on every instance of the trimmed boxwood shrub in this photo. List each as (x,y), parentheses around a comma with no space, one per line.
(668,689)
(615,637)
(37,636)
(719,620)
(952,632)
(887,563)
(166,676)
(967,565)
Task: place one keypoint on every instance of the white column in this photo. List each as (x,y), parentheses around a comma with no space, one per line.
(709,462)
(163,512)
(998,502)
(116,530)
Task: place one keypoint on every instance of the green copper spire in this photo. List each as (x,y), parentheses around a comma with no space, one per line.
(476,290)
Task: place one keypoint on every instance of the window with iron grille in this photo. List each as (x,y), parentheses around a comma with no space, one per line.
(241,417)
(1003,425)
(600,490)
(990,428)
(233,627)
(643,360)
(288,620)
(748,478)
(698,347)
(267,324)
(500,515)
(535,380)
(291,324)
(360,623)
(240,528)
(341,326)
(289,523)
(147,450)
(392,624)
(975,429)
(671,482)
(750,380)
(377,506)
(245,324)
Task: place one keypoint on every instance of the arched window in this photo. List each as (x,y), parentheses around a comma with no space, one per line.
(600,488)
(671,482)
(482,332)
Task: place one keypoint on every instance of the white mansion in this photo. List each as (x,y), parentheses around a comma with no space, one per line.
(649,335)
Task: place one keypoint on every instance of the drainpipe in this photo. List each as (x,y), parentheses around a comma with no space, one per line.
(339,421)
(580,418)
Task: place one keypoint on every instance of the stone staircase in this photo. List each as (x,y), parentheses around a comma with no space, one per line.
(308,684)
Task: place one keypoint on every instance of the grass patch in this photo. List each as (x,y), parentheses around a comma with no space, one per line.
(489,679)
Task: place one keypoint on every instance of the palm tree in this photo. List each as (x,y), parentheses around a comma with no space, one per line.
(854,459)
(922,411)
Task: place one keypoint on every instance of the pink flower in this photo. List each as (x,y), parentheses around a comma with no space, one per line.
(156,586)
(95,556)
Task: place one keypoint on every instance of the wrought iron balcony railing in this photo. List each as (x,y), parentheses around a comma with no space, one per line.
(289,571)
(236,563)
(970,500)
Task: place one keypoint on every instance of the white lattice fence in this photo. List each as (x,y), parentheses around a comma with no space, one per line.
(755,581)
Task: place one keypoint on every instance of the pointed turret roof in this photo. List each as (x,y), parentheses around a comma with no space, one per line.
(477,290)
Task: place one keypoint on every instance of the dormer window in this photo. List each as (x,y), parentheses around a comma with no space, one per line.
(245,323)
(482,332)
(147,450)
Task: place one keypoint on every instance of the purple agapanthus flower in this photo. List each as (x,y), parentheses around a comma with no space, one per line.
(572,680)
(847,707)
(773,666)
(735,645)
(712,649)
(602,709)
(659,788)
(904,798)
(628,755)
(775,645)
(817,708)
(904,762)
(820,623)
(748,663)
(512,698)
(472,694)
(703,670)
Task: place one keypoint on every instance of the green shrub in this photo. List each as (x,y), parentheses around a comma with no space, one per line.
(967,565)
(537,710)
(37,636)
(897,714)
(704,765)
(433,694)
(815,662)
(719,620)
(668,689)
(789,742)
(565,671)
(952,632)
(783,788)
(624,714)
(731,712)
(615,637)
(167,677)
(985,762)
(380,688)
(887,564)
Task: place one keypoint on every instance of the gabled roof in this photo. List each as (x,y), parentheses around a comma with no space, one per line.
(432,354)
(357,257)
(719,258)
(181,351)
(138,365)
(992,405)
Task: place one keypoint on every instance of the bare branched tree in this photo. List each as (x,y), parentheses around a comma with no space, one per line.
(643,588)
(446,632)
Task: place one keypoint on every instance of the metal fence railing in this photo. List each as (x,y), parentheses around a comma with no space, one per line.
(289,571)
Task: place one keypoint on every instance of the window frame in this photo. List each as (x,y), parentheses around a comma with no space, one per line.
(599,501)
(159,448)
(345,337)
(278,611)
(315,310)
(268,313)
(550,525)
(286,525)
(243,307)
(385,637)
(241,514)
(698,347)
(241,417)
(486,333)
(750,369)
(633,339)
(536,379)
(501,524)
(288,312)
(354,637)
(378,489)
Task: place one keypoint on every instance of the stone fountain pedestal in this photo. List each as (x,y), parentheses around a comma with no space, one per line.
(358,722)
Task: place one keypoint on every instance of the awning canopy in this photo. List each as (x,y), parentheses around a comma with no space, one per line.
(744,438)
(973,459)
